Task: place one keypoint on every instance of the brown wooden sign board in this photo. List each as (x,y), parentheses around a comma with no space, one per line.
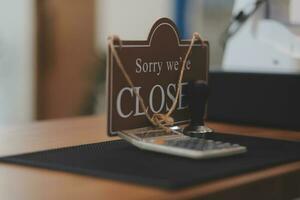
(153,66)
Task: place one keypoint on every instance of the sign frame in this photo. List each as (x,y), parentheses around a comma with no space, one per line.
(162,26)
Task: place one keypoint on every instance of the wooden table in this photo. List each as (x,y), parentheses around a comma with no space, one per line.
(20,182)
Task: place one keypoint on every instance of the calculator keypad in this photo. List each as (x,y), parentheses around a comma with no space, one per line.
(181,145)
(199,144)
(151,134)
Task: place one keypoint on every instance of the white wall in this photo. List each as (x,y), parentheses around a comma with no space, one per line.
(130,19)
(294,11)
(16,61)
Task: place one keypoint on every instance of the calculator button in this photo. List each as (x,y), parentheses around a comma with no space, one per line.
(199,144)
(226,145)
(199,147)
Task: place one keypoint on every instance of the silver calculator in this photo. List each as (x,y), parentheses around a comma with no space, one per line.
(176,143)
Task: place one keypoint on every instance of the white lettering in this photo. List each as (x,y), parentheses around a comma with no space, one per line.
(139,67)
(137,103)
(162,99)
(176,63)
(169,94)
(159,100)
(169,65)
(148,67)
(119,99)
(145,67)
(160,64)
(181,95)
(188,65)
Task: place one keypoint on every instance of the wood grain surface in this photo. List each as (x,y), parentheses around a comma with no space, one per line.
(20,182)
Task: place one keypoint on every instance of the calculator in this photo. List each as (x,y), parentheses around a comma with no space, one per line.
(178,144)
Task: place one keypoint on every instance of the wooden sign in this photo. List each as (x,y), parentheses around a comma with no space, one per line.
(153,66)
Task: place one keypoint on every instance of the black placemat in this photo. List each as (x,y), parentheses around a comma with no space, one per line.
(121,161)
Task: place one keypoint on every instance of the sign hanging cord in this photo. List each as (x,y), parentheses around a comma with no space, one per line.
(158,119)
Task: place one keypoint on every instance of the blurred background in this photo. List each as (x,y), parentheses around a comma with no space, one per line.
(52,52)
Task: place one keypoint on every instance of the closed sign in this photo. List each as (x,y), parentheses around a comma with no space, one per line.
(153,66)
